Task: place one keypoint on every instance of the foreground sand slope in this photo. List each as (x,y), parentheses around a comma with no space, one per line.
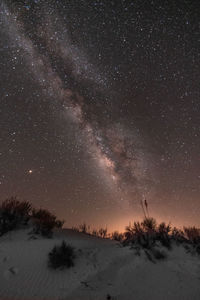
(101,268)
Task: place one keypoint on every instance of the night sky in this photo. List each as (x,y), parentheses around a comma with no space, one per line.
(100,108)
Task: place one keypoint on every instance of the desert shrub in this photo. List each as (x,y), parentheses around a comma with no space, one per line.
(147,237)
(148,234)
(147,240)
(165,240)
(44,222)
(149,225)
(133,232)
(84,228)
(95,232)
(163,236)
(117,236)
(13,214)
(129,233)
(178,236)
(61,256)
(103,232)
(163,228)
(142,234)
(192,234)
(75,228)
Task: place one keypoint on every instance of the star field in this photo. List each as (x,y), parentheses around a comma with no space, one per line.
(99,108)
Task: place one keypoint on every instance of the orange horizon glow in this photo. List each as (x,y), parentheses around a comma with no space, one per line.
(121,225)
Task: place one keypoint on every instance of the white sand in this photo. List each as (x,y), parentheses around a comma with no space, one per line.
(102,267)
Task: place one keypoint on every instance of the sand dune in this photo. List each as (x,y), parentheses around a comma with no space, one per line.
(102,269)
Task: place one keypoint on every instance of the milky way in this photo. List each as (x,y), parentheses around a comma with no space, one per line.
(126,109)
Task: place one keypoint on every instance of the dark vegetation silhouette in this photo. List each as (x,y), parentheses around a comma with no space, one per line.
(44,222)
(117,236)
(61,256)
(15,214)
(149,236)
(86,229)
(146,235)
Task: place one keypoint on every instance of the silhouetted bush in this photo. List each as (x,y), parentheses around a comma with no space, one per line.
(95,232)
(61,256)
(133,232)
(147,233)
(143,233)
(177,235)
(75,228)
(103,232)
(117,236)
(44,222)
(149,225)
(165,240)
(192,234)
(163,234)
(13,214)
(163,228)
(84,228)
